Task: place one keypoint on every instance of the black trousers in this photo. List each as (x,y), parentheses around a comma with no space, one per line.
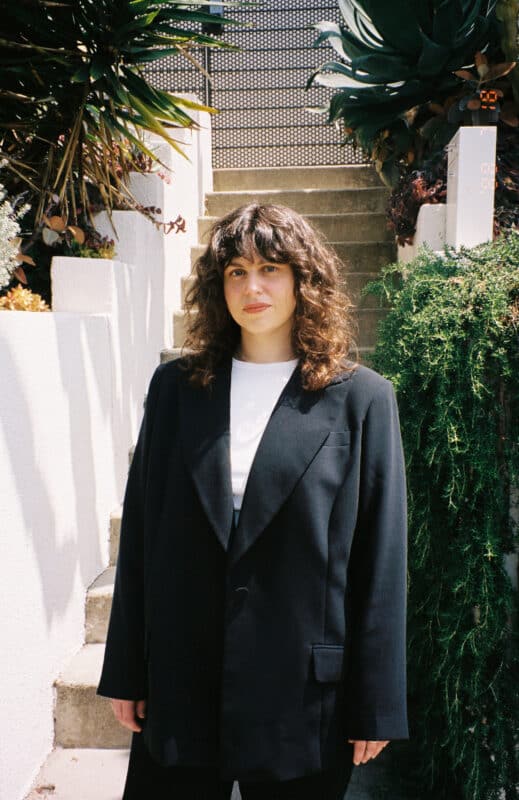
(148,780)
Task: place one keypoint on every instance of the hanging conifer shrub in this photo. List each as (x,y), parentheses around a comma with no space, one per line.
(450,345)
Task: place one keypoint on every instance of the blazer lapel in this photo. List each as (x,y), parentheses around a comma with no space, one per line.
(206,438)
(295,431)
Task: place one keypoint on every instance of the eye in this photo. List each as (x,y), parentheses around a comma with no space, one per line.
(271,268)
(235,272)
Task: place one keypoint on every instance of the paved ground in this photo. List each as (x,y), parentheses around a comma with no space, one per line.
(99,775)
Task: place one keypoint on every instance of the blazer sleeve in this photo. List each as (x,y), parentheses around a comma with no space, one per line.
(124,670)
(375,682)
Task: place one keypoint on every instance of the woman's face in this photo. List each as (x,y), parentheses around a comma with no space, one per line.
(260,295)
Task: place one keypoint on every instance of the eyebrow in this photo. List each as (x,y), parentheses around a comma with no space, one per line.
(234,263)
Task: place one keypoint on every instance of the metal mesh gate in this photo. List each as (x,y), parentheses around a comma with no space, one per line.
(260,94)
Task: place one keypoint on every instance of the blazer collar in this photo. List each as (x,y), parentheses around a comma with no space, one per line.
(205,429)
(295,431)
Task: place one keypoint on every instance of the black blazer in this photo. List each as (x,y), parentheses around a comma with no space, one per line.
(263,649)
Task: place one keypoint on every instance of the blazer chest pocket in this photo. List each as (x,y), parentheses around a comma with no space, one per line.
(337,439)
(328,662)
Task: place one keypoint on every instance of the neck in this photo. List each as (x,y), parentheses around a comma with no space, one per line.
(264,351)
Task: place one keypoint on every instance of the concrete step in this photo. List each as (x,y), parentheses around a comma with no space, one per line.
(305,201)
(253,179)
(355,281)
(115,529)
(81,774)
(367,320)
(349,227)
(88,774)
(355,256)
(82,718)
(98,605)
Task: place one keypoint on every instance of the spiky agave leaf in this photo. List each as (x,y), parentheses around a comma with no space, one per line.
(398,55)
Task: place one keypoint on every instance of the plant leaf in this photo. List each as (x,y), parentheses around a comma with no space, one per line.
(465,75)
(77,233)
(19,272)
(82,74)
(56,223)
(498,70)
(49,237)
(26,259)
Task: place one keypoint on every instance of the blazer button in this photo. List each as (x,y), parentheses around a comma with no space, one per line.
(239,596)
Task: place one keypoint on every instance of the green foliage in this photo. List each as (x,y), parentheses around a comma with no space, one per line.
(73,93)
(402,81)
(397,56)
(450,346)
(507,12)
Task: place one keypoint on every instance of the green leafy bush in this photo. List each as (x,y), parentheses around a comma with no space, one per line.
(450,345)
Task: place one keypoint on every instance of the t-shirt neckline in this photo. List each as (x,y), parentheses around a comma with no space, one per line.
(264,364)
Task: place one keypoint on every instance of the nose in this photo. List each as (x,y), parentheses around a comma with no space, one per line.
(253,283)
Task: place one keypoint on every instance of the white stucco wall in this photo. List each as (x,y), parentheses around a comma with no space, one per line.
(131,297)
(58,487)
(72,387)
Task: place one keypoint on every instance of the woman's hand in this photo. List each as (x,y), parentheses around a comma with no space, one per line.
(127,711)
(363,751)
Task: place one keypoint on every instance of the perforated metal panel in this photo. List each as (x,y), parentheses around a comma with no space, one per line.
(260,91)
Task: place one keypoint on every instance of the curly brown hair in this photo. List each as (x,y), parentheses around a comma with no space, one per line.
(322,329)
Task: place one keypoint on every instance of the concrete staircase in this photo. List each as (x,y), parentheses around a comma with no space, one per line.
(347,204)
(83,719)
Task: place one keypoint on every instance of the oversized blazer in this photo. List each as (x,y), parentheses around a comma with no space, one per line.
(263,648)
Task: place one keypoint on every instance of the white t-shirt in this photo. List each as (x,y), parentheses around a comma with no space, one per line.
(255,389)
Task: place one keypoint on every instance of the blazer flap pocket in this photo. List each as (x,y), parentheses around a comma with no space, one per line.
(328,660)
(337,438)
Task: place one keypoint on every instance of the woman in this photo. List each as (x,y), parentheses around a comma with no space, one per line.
(257,631)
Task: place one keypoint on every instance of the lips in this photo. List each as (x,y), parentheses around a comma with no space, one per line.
(255,307)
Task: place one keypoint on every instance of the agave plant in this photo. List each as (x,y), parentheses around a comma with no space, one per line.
(74,96)
(395,57)
(507,12)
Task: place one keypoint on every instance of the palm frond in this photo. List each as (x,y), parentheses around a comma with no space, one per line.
(73,89)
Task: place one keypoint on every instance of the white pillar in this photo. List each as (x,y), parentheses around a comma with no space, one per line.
(470,186)
(430,230)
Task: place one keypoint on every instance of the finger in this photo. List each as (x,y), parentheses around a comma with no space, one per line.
(140,708)
(117,709)
(372,750)
(366,755)
(359,749)
(128,719)
(124,711)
